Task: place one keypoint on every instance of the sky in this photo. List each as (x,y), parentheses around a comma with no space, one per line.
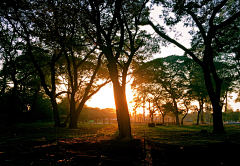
(105,98)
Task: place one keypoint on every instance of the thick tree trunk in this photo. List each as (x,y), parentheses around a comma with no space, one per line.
(78,110)
(123,118)
(73,118)
(215,99)
(217,120)
(55,113)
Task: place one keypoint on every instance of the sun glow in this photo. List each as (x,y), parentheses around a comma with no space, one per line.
(105,97)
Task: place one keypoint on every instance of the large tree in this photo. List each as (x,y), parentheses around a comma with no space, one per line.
(213,21)
(113,27)
(61,25)
(19,16)
(15,72)
(51,31)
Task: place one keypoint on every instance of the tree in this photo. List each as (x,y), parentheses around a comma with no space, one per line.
(51,31)
(211,19)
(18,16)
(160,102)
(168,73)
(113,26)
(197,89)
(16,71)
(81,88)
(63,27)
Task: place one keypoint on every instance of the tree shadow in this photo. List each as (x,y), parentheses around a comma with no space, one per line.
(77,151)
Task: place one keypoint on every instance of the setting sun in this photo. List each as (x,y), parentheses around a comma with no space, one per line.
(105,97)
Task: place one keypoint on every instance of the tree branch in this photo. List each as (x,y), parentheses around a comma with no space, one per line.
(121,37)
(163,35)
(85,58)
(105,83)
(58,94)
(85,97)
(228,21)
(215,12)
(199,25)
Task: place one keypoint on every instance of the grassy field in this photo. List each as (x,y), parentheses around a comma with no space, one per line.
(96,144)
(187,135)
(177,135)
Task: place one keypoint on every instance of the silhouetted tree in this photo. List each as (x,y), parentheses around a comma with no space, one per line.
(113,26)
(214,21)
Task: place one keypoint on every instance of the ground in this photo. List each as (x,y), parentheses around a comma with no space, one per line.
(41,144)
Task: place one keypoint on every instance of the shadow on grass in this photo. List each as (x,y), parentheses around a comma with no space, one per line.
(41,144)
(88,145)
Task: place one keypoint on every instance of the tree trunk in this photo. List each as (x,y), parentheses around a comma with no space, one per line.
(163,116)
(73,118)
(123,118)
(176,111)
(55,113)
(198,116)
(150,111)
(226,101)
(201,109)
(184,117)
(78,111)
(215,99)
(217,120)
(53,97)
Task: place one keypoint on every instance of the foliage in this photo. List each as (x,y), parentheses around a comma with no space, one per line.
(165,79)
(230,116)
(89,113)
(63,106)
(42,109)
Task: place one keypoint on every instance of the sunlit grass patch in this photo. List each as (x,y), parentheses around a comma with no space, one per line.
(185,135)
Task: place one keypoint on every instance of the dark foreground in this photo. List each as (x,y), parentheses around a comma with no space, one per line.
(25,145)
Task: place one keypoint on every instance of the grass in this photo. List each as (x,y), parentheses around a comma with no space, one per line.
(186,135)
(35,144)
(175,135)
(46,131)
